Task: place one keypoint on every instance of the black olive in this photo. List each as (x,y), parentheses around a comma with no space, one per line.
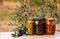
(20,31)
(22,7)
(19,35)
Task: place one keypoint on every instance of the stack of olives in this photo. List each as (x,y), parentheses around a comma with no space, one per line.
(21,30)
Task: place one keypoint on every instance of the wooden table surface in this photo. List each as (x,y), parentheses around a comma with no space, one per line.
(7,35)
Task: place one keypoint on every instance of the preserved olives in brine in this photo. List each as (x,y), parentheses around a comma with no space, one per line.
(40,26)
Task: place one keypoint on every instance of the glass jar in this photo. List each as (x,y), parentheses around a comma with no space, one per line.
(50,27)
(30,26)
(40,26)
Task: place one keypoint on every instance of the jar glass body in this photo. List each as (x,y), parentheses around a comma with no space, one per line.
(30,26)
(50,27)
(40,26)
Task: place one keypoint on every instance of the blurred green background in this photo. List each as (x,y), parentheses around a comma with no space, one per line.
(5,13)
